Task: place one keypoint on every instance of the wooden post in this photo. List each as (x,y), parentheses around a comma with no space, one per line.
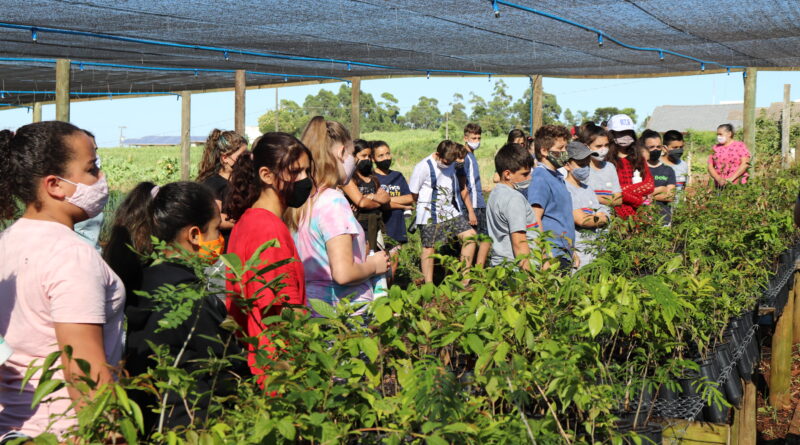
(239,91)
(37,112)
(749,120)
(538,99)
(780,373)
(355,108)
(795,294)
(786,122)
(747,416)
(277,111)
(62,90)
(186,120)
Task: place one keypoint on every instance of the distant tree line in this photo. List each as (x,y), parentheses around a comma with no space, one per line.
(497,115)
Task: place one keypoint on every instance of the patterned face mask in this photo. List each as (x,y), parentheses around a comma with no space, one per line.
(211,250)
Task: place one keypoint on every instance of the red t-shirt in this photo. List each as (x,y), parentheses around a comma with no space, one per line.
(252,230)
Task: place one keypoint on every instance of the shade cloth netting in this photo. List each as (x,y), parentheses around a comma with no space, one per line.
(411,35)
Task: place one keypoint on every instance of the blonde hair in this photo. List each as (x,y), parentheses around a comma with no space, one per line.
(320,136)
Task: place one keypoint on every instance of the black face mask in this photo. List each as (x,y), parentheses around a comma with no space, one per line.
(655,155)
(384,165)
(364,167)
(675,155)
(299,194)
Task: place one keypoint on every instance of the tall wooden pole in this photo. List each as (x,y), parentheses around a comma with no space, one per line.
(780,372)
(355,109)
(239,91)
(538,98)
(62,90)
(37,112)
(786,122)
(277,111)
(750,112)
(186,120)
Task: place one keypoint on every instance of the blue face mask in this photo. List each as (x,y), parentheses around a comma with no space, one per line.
(581,173)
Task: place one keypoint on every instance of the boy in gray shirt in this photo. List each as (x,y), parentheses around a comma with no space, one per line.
(510,221)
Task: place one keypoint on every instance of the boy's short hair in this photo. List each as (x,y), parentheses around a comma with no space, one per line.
(650,134)
(512,157)
(546,136)
(672,136)
(449,151)
(472,128)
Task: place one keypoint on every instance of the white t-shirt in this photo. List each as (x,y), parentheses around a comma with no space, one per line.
(420,184)
(49,275)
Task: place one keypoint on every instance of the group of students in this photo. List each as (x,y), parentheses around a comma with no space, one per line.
(336,211)
(567,184)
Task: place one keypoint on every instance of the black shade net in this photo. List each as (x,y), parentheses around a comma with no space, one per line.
(411,36)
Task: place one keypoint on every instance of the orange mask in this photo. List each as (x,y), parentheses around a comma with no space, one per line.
(211,250)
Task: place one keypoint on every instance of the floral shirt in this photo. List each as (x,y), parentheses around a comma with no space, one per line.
(725,160)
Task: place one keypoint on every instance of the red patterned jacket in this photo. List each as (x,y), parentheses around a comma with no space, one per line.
(633,195)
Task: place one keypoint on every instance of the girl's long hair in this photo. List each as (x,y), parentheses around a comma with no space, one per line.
(219,143)
(320,136)
(275,151)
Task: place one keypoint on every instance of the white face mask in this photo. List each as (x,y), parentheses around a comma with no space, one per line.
(602,153)
(474,145)
(91,198)
(624,141)
(348,167)
(721,139)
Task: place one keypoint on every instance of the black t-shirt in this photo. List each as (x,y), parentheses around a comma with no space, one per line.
(395,184)
(219,187)
(367,187)
(206,319)
(664,175)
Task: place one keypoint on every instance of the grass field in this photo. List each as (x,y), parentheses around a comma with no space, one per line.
(125,167)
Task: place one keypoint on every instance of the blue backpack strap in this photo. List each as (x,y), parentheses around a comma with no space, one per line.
(434,192)
(457,201)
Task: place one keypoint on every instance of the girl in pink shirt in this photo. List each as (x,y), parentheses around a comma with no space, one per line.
(55,289)
(730,159)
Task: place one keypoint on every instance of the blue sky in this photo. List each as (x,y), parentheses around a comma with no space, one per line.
(161,115)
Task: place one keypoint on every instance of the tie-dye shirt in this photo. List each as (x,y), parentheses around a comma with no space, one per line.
(725,160)
(330,217)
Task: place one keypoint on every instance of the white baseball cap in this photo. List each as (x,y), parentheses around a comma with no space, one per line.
(620,122)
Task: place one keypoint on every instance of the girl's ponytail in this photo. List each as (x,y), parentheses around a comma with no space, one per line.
(244,187)
(8,207)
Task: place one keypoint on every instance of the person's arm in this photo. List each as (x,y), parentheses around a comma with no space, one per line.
(713,171)
(225,224)
(473,220)
(361,201)
(519,246)
(86,341)
(404,200)
(612,200)
(589,220)
(538,211)
(743,166)
(344,268)
(664,193)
